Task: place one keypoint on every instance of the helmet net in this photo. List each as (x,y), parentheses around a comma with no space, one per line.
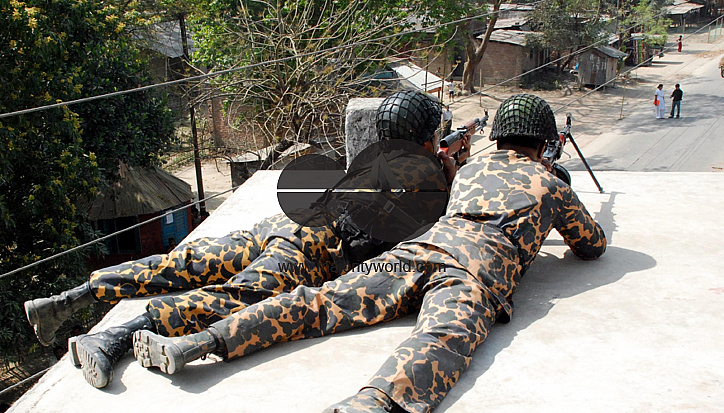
(408,115)
(525,116)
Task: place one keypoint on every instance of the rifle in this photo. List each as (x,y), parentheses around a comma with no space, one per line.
(452,143)
(554,150)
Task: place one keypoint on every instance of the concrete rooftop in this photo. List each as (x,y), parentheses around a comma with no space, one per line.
(639,330)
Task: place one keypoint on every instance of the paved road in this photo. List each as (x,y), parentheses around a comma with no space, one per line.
(692,143)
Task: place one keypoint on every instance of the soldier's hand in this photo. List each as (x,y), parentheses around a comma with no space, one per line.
(547,163)
(464,152)
(448,166)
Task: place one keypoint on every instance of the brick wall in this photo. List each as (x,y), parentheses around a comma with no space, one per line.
(503,61)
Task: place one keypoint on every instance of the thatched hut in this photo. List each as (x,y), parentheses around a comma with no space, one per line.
(140,194)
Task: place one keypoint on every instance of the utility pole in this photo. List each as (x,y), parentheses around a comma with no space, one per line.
(427,67)
(623,96)
(194,132)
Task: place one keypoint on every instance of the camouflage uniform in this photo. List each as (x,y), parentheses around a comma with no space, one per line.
(223,275)
(461,275)
(226,274)
(311,243)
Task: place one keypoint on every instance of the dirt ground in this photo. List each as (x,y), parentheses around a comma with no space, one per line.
(592,111)
(216,175)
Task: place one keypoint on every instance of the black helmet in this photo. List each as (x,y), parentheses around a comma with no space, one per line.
(409,115)
(526,116)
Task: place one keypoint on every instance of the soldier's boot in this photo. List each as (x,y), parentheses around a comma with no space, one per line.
(47,314)
(171,354)
(97,353)
(368,400)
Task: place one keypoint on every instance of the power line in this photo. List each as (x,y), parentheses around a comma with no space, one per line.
(257,65)
(624,30)
(105,237)
(624,73)
(34,376)
(250,66)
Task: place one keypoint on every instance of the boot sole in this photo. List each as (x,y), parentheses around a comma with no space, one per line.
(73,350)
(97,371)
(31,313)
(152,350)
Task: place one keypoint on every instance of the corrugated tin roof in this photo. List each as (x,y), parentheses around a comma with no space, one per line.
(682,7)
(511,22)
(139,191)
(263,153)
(640,36)
(516,37)
(165,38)
(513,6)
(418,77)
(610,51)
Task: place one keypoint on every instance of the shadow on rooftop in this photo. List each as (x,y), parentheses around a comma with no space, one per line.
(548,280)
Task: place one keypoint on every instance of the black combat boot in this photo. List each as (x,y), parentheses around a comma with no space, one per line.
(97,353)
(170,354)
(47,314)
(368,400)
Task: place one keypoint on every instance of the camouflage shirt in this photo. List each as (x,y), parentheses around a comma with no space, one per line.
(502,207)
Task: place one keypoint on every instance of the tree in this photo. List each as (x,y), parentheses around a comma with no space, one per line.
(475,49)
(647,17)
(51,160)
(567,26)
(471,17)
(304,60)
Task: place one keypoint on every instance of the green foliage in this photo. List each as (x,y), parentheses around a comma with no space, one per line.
(50,160)
(459,22)
(567,25)
(647,17)
(305,95)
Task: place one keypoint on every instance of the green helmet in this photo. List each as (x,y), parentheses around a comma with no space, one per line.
(409,115)
(526,116)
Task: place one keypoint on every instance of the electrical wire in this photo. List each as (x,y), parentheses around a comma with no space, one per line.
(20,383)
(250,66)
(277,61)
(105,237)
(577,52)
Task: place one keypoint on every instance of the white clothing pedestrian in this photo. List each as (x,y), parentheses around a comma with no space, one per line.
(660,108)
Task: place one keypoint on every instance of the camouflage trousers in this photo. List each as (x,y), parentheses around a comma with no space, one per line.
(456,311)
(220,276)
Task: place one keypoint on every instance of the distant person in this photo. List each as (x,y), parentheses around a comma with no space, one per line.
(447,117)
(451,91)
(659,102)
(679,44)
(676,96)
